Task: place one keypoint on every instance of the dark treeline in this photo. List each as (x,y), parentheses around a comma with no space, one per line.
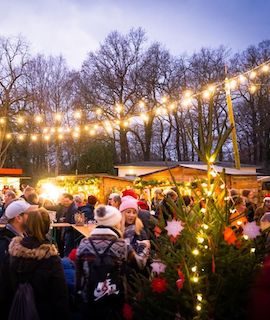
(124,71)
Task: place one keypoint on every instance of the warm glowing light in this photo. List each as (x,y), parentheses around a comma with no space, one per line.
(144,117)
(38,119)
(86,128)
(211,88)
(199,297)
(245,237)
(47,137)
(8,135)
(195,279)
(20,120)
(117,122)
(98,111)
(142,104)
(2,120)
(239,223)
(92,132)
(77,129)
(205,247)
(204,184)
(252,89)
(118,107)
(45,130)
(33,137)
(188,94)
(60,130)
(172,106)
(96,126)
(195,252)
(242,79)
(203,210)
(60,137)
(211,159)
(205,226)
(200,239)
(198,307)
(265,68)
(233,84)
(50,191)
(194,269)
(52,130)
(206,94)
(21,137)
(68,130)
(164,99)
(58,117)
(77,114)
(76,134)
(125,124)
(252,250)
(252,74)
(213,173)
(222,186)
(186,102)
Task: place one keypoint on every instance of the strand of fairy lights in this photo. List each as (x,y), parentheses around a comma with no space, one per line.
(162,109)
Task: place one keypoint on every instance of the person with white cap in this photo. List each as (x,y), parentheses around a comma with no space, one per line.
(100,267)
(262,209)
(16,214)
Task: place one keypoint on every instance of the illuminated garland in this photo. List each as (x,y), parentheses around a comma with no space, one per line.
(92,128)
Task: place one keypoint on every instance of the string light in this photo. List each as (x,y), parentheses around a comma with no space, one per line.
(203,210)
(172,106)
(144,117)
(98,111)
(142,104)
(52,130)
(233,84)
(77,115)
(60,130)
(46,137)
(200,239)
(199,297)
(188,94)
(20,120)
(205,226)
(195,252)
(252,250)
(75,134)
(245,237)
(211,88)
(60,137)
(195,279)
(253,75)
(194,269)
(2,120)
(21,137)
(92,132)
(265,68)
(164,99)
(86,128)
(33,137)
(242,79)
(45,130)
(206,94)
(8,136)
(38,119)
(198,307)
(118,108)
(252,89)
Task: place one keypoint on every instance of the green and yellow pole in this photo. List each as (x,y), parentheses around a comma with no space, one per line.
(232,122)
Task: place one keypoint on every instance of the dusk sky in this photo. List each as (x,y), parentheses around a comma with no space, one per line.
(74,27)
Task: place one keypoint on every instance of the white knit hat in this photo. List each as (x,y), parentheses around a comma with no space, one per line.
(107,216)
(18,207)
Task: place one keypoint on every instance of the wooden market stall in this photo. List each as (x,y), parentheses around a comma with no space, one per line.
(100,185)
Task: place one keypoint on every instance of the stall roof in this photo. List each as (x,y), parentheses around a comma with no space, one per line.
(92,175)
(203,167)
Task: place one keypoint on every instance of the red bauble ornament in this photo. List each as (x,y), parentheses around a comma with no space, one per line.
(159,285)
(229,235)
(157,231)
(181,280)
(127,312)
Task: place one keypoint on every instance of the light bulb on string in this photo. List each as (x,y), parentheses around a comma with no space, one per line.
(58,117)
(67,130)
(8,136)
(195,279)
(265,68)
(164,99)
(233,84)
(77,129)
(92,132)
(252,89)
(118,107)
(186,102)
(86,128)
(20,120)
(60,137)
(34,137)
(75,134)
(194,269)
(45,130)
(253,75)
(144,117)
(199,297)
(38,119)
(198,307)
(142,104)
(206,94)
(172,106)
(211,88)
(52,130)
(187,93)
(125,124)
(195,252)
(59,130)
(2,121)
(98,111)
(77,114)
(96,127)
(21,137)
(242,79)
(47,137)
(117,122)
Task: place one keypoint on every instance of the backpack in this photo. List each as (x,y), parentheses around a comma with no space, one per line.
(105,281)
(23,305)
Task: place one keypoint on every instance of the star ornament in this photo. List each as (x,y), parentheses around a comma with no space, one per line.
(251,230)
(158,267)
(174,228)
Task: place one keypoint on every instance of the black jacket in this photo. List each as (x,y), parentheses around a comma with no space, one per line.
(5,292)
(39,264)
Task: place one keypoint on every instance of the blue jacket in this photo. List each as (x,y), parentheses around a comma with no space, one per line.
(69,271)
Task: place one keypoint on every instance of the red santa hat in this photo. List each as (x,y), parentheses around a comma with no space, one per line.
(266,197)
(130,192)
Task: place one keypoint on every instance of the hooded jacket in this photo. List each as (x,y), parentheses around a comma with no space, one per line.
(39,264)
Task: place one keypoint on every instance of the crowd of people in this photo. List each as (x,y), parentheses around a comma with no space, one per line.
(66,276)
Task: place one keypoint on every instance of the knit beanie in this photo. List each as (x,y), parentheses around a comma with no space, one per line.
(128,203)
(107,216)
(130,192)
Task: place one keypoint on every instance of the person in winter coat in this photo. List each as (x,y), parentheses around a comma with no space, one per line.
(100,267)
(89,208)
(16,214)
(134,233)
(34,260)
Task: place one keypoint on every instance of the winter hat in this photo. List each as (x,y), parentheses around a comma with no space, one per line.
(128,203)
(18,207)
(266,197)
(142,205)
(130,192)
(107,216)
(72,255)
(92,200)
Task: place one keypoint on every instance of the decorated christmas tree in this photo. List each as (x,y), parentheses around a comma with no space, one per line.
(205,256)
